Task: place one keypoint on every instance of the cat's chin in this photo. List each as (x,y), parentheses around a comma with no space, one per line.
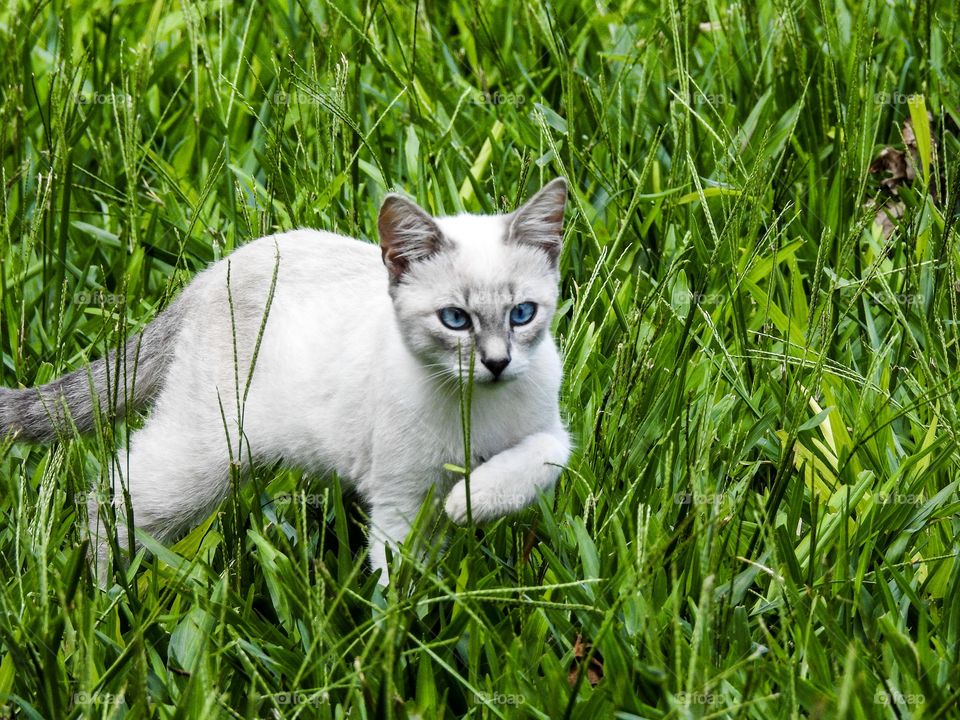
(482,378)
(493,382)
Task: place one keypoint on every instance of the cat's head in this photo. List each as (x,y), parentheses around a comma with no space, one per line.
(482,283)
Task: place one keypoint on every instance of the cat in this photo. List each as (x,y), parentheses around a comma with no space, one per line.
(316,351)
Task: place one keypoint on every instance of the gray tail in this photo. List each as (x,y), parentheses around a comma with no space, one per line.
(109,385)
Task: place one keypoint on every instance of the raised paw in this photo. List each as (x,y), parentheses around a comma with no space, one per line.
(456,504)
(488,500)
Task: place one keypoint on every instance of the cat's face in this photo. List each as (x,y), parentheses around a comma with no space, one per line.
(485,284)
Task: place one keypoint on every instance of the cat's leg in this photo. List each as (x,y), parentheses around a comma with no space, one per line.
(174,477)
(510,480)
(391,517)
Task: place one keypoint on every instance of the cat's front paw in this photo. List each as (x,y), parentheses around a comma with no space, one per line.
(456,504)
(491,496)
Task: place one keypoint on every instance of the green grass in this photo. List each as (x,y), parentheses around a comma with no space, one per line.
(761,517)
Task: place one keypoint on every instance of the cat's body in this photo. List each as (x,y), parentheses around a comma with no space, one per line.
(327,353)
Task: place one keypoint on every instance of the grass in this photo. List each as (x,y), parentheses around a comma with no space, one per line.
(761,517)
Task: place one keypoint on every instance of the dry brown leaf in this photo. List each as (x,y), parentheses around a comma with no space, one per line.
(594,668)
(887,215)
(529,544)
(898,169)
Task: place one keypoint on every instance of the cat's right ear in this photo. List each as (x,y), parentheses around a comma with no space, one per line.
(407,234)
(540,221)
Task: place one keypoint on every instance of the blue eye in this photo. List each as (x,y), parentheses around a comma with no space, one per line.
(454,318)
(523,313)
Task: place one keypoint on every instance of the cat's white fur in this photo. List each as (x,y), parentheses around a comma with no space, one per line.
(347,368)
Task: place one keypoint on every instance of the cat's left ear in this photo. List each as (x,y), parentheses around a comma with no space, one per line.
(539,222)
(407,234)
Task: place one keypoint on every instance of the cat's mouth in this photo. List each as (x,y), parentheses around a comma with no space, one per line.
(482,378)
(490,379)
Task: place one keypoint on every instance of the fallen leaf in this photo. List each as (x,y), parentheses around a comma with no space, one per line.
(887,215)
(594,668)
(529,543)
(898,169)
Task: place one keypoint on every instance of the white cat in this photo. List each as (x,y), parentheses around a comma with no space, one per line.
(326,354)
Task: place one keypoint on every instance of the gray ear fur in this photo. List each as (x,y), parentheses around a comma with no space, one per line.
(407,234)
(539,222)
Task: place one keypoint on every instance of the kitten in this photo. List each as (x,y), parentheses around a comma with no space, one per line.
(320,352)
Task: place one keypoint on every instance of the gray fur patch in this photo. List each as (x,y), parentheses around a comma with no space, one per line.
(109,384)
